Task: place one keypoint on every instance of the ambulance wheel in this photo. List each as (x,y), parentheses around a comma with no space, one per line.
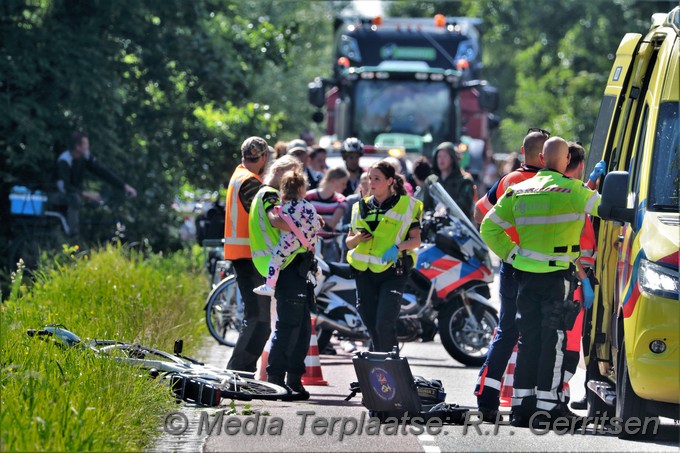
(628,404)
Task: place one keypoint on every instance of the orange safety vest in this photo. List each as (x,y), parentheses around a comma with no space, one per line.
(236,237)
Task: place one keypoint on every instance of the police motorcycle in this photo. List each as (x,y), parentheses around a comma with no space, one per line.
(451,280)
(447,290)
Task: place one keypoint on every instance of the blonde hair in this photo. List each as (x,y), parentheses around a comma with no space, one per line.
(291,183)
(282,162)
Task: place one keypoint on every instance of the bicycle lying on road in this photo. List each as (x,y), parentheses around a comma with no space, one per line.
(190,379)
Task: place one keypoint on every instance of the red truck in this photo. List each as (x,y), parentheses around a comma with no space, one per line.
(409,83)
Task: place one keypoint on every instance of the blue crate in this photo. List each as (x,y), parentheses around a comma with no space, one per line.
(23,202)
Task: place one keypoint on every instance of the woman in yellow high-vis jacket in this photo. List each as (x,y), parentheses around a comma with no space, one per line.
(385,231)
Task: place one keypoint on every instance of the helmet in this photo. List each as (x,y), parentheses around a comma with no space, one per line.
(352,145)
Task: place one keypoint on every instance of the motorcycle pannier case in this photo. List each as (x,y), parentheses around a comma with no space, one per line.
(388,389)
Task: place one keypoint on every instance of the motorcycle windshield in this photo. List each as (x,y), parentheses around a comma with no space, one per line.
(447,207)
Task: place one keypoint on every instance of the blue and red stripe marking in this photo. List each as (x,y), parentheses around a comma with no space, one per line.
(632,295)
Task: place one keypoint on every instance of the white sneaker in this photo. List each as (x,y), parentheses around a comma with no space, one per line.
(348,346)
(264,290)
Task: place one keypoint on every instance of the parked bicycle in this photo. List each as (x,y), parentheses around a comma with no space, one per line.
(190,379)
(39,229)
(224,311)
(216,266)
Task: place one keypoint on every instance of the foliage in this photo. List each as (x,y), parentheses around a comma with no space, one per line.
(162,87)
(550,60)
(309,23)
(56,400)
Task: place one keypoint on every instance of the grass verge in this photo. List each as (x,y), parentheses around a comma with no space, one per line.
(67,400)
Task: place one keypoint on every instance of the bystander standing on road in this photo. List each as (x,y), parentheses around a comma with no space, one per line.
(331,205)
(245,182)
(294,292)
(548,212)
(352,150)
(421,170)
(488,385)
(317,166)
(584,269)
(304,224)
(449,175)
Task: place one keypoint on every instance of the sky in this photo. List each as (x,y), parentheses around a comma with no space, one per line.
(368,7)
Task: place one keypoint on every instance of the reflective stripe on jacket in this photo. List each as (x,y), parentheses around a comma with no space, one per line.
(391,230)
(236,236)
(548,212)
(263,236)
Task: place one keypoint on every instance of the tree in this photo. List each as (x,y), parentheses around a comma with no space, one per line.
(161,86)
(549,60)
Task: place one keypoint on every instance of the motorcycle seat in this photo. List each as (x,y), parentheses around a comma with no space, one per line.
(342,270)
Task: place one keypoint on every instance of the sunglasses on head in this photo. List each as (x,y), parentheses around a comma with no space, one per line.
(538,129)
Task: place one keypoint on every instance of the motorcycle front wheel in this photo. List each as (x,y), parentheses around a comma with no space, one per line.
(467,337)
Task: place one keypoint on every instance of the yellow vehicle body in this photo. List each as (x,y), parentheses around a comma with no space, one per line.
(634,337)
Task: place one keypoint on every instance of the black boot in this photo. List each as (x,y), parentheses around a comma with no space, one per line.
(298,392)
(546,419)
(580,405)
(280,381)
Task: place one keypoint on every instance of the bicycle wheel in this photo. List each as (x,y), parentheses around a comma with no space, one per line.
(194,375)
(237,385)
(224,312)
(142,356)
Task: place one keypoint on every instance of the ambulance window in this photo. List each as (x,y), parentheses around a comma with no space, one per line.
(604,119)
(637,159)
(664,187)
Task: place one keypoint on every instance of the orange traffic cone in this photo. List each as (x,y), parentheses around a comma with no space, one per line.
(508,380)
(313,375)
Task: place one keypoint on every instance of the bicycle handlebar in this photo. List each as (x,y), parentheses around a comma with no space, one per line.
(213,242)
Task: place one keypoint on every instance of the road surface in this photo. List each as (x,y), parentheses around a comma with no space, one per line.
(306,426)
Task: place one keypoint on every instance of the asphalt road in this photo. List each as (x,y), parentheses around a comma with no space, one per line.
(308,426)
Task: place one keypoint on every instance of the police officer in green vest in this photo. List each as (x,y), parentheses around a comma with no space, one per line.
(548,212)
(385,231)
(294,292)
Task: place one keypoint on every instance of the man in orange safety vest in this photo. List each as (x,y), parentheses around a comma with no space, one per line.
(244,184)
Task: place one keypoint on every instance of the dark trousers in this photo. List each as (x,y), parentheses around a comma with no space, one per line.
(72,202)
(539,372)
(379,301)
(294,296)
(256,328)
(490,376)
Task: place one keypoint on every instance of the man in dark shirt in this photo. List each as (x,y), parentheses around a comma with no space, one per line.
(71,167)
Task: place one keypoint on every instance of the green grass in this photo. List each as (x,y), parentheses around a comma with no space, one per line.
(67,400)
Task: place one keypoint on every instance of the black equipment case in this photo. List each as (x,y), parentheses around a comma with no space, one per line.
(389,389)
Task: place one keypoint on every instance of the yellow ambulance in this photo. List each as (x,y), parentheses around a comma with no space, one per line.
(632,341)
